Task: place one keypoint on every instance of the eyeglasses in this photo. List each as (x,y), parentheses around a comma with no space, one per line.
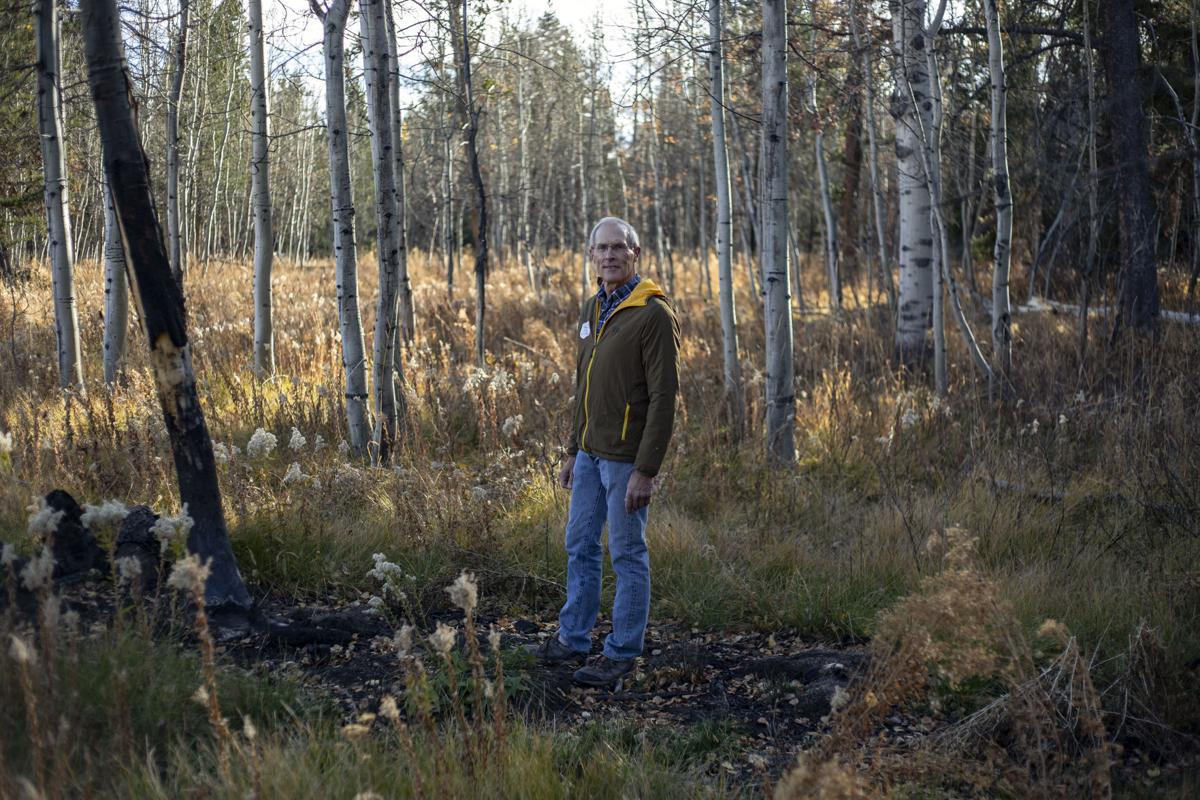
(610,248)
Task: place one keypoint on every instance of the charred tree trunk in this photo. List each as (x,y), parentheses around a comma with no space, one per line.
(1135,204)
(160,303)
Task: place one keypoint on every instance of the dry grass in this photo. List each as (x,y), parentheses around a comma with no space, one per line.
(1081,495)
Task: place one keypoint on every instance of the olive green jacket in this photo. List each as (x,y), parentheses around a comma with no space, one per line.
(626,379)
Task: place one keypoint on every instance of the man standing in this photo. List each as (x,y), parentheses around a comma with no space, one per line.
(626,379)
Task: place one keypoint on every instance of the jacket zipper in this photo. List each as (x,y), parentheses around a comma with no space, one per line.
(587,381)
(625,424)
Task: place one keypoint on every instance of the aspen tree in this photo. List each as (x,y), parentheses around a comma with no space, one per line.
(345,250)
(777,305)
(1001,309)
(116,290)
(264,240)
(174,248)
(58,211)
(734,397)
(372,20)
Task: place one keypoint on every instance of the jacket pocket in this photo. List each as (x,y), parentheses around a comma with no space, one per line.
(625,423)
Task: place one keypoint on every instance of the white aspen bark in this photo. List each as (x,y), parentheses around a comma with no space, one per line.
(777,305)
(831,233)
(734,396)
(447,176)
(375,72)
(1001,309)
(523,243)
(58,211)
(174,250)
(912,109)
(116,291)
(405,299)
(931,157)
(879,206)
(264,244)
(584,271)
(345,249)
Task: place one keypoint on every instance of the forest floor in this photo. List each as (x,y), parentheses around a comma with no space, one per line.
(944,597)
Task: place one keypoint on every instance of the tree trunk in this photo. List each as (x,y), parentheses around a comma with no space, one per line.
(58,210)
(160,304)
(1135,203)
(264,241)
(777,301)
(912,110)
(832,246)
(734,396)
(407,313)
(1001,311)
(523,232)
(375,72)
(116,290)
(470,115)
(173,246)
(345,248)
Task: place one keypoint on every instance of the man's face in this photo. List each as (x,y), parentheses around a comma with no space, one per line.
(612,257)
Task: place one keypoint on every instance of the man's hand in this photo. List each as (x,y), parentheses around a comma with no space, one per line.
(566,474)
(637,493)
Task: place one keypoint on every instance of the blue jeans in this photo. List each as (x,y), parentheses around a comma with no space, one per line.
(598,494)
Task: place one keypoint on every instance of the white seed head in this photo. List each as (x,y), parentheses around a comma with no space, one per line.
(20,650)
(442,639)
(108,514)
(248,729)
(38,572)
(201,695)
(403,640)
(297,442)
(6,442)
(189,574)
(221,453)
(129,570)
(261,444)
(168,529)
(464,592)
(494,639)
(43,520)
(8,554)
(389,710)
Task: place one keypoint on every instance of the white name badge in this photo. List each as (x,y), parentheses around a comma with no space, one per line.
(585,331)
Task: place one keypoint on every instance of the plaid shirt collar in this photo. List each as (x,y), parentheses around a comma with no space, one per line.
(609,302)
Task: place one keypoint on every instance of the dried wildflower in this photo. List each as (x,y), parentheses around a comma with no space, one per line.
(403,640)
(389,709)
(20,650)
(494,639)
(261,444)
(200,696)
(189,574)
(37,573)
(464,592)
(43,520)
(840,699)
(318,443)
(109,514)
(221,453)
(168,530)
(1055,630)
(375,603)
(248,729)
(297,442)
(129,570)
(442,639)
(355,731)
(6,443)
(294,475)
(8,554)
(908,419)
(512,425)
(501,382)
(479,493)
